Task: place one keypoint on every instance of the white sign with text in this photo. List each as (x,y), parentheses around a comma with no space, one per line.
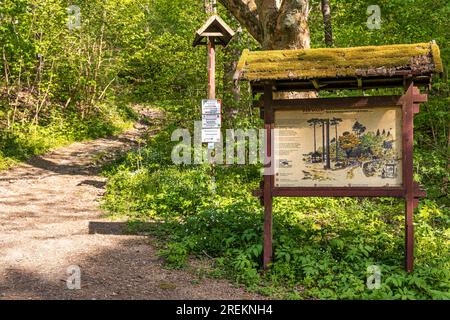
(211,120)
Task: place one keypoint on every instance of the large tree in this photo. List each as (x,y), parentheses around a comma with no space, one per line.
(328,26)
(275,24)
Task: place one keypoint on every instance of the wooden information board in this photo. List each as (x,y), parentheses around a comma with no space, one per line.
(338,147)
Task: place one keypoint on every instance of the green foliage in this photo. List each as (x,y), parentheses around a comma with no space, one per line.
(59,84)
(322,247)
(399,25)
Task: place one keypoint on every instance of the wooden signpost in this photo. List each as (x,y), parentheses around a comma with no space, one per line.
(214,31)
(302,158)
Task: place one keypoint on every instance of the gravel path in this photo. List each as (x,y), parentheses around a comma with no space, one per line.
(50,220)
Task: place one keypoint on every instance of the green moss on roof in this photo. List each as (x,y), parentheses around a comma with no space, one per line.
(436,53)
(420,58)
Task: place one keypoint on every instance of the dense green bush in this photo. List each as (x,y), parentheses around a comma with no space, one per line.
(60,84)
(22,141)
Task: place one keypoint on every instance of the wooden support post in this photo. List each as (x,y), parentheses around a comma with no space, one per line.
(267,259)
(409,235)
(211,68)
(268,177)
(410,107)
(408,182)
(212,90)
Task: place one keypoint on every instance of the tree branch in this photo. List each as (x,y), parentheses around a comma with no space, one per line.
(245,12)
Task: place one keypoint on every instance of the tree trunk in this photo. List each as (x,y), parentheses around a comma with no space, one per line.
(328,27)
(276,25)
(291,29)
(287,28)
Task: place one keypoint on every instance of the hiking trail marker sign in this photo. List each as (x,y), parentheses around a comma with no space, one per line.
(211,120)
(346,146)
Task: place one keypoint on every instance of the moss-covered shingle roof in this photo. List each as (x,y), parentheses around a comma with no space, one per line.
(420,59)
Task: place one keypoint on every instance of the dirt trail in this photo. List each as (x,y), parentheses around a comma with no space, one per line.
(50,219)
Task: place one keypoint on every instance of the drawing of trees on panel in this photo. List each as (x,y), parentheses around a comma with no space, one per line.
(355,147)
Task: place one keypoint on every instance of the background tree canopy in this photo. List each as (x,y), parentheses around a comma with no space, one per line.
(61,84)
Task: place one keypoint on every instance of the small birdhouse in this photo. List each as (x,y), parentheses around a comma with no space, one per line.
(215,28)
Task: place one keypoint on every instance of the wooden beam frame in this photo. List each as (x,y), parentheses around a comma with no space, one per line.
(343,83)
(410,190)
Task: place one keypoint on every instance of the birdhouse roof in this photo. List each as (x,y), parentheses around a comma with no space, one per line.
(337,68)
(214,27)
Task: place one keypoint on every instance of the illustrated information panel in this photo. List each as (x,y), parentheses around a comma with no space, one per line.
(338,147)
